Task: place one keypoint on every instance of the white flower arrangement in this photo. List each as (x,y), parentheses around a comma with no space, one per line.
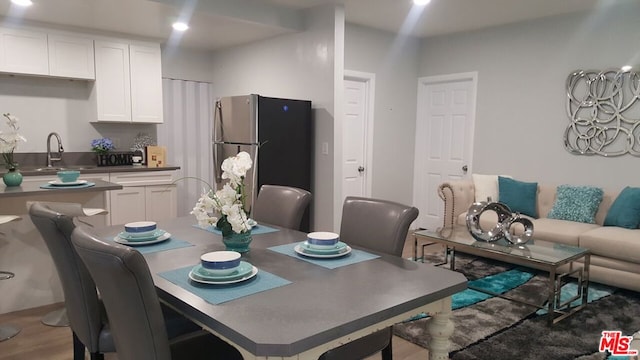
(9,141)
(228,202)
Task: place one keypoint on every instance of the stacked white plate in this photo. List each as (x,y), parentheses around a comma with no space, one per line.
(68,183)
(141,233)
(322,245)
(244,272)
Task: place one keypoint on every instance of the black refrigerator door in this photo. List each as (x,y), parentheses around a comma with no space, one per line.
(284,134)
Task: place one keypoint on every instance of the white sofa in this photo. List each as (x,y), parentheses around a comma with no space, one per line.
(615,251)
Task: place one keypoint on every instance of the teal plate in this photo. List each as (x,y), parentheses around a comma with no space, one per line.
(201,273)
(156,234)
(340,247)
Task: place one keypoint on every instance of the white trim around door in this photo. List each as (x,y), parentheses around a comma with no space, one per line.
(369,81)
(445,125)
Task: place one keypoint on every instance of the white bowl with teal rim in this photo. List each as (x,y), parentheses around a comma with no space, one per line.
(140,228)
(220,262)
(322,240)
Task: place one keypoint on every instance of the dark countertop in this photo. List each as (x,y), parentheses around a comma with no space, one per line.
(32,164)
(87,169)
(29,188)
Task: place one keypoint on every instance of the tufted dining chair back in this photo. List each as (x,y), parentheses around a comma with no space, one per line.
(381,226)
(281,205)
(129,297)
(131,301)
(81,298)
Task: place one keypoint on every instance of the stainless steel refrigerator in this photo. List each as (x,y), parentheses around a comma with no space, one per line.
(275,132)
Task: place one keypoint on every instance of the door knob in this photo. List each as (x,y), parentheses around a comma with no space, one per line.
(464,168)
(360,168)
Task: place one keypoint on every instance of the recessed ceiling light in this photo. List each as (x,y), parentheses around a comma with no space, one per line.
(421,2)
(22,2)
(626,68)
(180,26)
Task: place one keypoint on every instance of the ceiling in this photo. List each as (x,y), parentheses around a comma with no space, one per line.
(216,24)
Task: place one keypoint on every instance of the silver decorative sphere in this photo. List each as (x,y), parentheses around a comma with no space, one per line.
(502,228)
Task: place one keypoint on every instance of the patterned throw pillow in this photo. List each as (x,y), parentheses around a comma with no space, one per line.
(625,210)
(519,196)
(576,203)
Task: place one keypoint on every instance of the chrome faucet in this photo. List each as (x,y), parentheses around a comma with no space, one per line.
(60,149)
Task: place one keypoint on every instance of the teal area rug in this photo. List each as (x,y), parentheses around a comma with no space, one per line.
(494,328)
(498,283)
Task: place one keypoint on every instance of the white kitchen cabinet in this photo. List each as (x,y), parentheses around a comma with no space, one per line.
(128,204)
(128,85)
(24,51)
(146,83)
(71,56)
(148,195)
(161,202)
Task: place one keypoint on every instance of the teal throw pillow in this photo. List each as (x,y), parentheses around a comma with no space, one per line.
(576,203)
(625,210)
(519,196)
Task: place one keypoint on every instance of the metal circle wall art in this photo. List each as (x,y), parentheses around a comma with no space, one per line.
(603,110)
(502,228)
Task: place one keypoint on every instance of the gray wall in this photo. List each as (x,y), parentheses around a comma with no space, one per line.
(186,64)
(522,70)
(299,66)
(394,60)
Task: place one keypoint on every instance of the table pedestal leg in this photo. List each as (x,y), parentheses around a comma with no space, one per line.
(440,328)
(56,318)
(8,331)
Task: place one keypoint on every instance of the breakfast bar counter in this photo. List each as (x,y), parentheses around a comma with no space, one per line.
(33,188)
(22,249)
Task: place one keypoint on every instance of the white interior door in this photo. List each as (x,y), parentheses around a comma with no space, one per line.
(444,139)
(357,134)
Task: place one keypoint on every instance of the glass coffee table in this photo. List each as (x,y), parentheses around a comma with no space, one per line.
(536,254)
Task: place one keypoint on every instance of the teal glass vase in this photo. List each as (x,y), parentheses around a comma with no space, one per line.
(237,242)
(12,178)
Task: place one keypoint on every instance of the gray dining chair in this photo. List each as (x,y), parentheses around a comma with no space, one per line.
(129,295)
(381,226)
(89,325)
(281,205)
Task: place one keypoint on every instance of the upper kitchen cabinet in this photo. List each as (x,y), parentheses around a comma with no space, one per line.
(45,53)
(71,56)
(128,85)
(24,52)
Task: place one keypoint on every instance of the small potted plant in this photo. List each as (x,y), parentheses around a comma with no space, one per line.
(225,208)
(101,147)
(8,143)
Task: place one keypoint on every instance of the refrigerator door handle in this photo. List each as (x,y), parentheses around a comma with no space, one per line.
(217,163)
(217,122)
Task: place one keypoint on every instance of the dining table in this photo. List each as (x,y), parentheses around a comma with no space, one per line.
(296,306)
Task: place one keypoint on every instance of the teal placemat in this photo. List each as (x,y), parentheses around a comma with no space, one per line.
(218,294)
(170,244)
(355,256)
(257,230)
(81,186)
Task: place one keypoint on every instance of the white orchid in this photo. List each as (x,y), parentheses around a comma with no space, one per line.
(235,168)
(9,141)
(228,202)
